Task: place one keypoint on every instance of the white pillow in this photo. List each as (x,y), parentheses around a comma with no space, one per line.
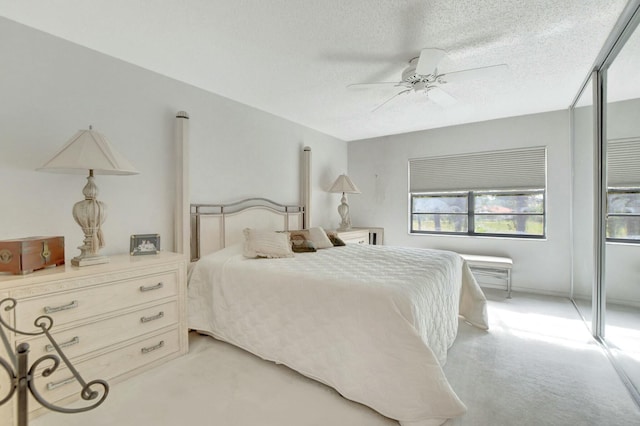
(266,244)
(319,238)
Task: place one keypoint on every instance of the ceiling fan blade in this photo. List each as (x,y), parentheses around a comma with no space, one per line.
(429,60)
(473,73)
(375,84)
(388,100)
(441,97)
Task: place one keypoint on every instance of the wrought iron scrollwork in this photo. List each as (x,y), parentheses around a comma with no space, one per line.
(22,377)
(12,379)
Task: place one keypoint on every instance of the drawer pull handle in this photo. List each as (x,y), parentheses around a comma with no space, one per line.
(54,385)
(50,310)
(151,287)
(152,318)
(152,348)
(74,341)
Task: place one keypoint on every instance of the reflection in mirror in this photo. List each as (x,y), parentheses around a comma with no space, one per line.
(583,201)
(622,279)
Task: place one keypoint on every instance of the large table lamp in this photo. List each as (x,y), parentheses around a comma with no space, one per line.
(344,185)
(89,152)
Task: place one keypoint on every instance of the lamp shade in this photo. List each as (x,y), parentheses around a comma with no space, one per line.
(89,150)
(344,184)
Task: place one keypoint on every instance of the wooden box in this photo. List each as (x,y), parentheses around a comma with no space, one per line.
(25,255)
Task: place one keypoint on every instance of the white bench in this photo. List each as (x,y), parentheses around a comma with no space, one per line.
(496,267)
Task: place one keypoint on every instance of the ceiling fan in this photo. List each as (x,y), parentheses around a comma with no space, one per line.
(422,76)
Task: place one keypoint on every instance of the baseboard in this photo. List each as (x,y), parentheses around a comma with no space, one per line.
(527,290)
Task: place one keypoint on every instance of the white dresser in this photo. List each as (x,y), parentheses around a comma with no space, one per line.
(112,320)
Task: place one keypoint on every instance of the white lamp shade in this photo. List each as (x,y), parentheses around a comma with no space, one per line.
(344,184)
(89,150)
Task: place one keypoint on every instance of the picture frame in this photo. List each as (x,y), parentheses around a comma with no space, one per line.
(143,244)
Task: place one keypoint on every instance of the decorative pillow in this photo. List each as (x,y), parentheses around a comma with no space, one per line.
(301,241)
(268,244)
(319,238)
(305,247)
(335,240)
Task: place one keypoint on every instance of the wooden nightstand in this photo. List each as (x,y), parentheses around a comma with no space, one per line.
(112,320)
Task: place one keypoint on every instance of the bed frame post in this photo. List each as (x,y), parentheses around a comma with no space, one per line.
(182,233)
(306,187)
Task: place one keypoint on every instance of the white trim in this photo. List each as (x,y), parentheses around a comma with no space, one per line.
(181,219)
(306,186)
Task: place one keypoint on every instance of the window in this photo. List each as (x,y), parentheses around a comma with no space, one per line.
(519,213)
(496,193)
(623,215)
(623,194)
(445,213)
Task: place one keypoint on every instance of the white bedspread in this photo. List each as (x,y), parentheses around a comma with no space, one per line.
(373,322)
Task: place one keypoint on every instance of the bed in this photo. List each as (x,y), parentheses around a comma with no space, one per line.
(373,322)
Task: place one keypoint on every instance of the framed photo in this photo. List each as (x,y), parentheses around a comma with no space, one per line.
(145,244)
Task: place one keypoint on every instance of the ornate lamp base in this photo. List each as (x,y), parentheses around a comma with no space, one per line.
(90,214)
(343,211)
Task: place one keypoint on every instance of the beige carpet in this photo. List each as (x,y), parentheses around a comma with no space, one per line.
(536,366)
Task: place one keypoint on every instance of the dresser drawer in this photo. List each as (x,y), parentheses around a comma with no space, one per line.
(62,384)
(96,335)
(85,302)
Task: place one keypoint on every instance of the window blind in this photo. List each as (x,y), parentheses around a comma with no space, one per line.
(623,163)
(499,170)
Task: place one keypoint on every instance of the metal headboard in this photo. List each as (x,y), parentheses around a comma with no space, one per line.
(225,218)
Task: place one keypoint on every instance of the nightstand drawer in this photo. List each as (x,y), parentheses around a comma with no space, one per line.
(358,236)
(83,339)
(82,303)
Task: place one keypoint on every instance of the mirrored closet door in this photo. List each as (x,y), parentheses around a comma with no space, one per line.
(606,199)
(622,267)
(583,200)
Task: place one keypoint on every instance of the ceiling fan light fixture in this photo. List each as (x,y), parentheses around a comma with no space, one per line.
(420,86)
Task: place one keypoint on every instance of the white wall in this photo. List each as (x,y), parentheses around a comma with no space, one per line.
(50,88)
(380,169)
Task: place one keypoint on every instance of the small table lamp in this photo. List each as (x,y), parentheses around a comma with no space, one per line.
(89,150)
(343,184)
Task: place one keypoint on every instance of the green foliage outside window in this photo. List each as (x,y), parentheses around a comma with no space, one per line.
(509,213)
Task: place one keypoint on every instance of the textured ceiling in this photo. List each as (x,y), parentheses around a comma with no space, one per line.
(294,58)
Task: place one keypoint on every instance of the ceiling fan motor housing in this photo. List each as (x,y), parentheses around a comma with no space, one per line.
(416,81)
